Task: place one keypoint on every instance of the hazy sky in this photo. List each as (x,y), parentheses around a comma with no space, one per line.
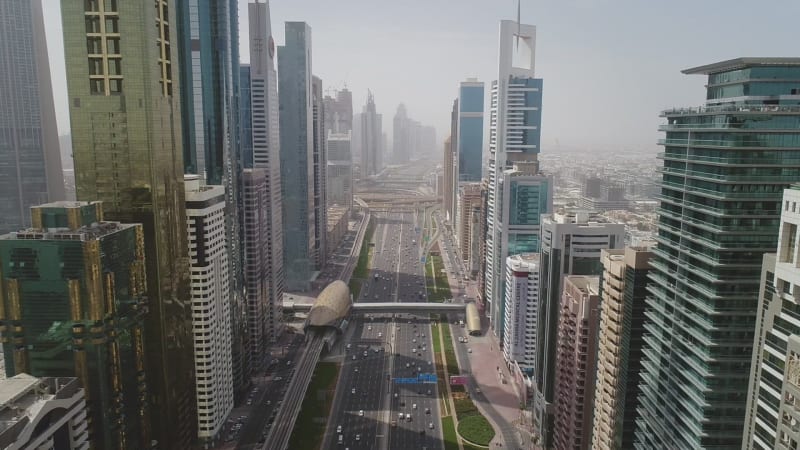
(609,66)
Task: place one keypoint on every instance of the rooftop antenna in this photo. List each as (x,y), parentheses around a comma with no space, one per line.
(519,26)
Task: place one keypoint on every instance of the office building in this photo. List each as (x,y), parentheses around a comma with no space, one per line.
(725,167)
(30,161)
(576,362)
(523,196)
(43,413)
(571,245)
(297,156)
(522,298)
(211,307)
(340,170)
(370,138)
(402,144)
(126,144)
(773,408)
(451,178)
(623,288)
(481,256)
(320,175)
(513,141)
(470,130)
(448,163)
(73,289)
(339,112)
(467,212)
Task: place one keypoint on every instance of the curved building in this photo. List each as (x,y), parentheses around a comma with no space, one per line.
(333,304)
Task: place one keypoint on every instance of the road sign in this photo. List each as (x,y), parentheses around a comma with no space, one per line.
(458,380)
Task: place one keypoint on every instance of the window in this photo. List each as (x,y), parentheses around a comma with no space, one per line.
(112,46)
(115,86)
(96,87)
(92,24)
(93,46)
(112,24)
(115,66)
(95,66)
(91,5)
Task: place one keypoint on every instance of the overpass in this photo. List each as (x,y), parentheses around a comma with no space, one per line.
(387,308)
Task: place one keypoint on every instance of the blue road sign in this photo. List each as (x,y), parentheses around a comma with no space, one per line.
(423,378)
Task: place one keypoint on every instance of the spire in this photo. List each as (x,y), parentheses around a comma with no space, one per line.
(519,26)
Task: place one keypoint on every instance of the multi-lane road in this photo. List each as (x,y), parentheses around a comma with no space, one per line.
(381,351)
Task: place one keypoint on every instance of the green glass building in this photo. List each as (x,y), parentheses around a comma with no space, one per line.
(73,304)
(725,167)
(122,78)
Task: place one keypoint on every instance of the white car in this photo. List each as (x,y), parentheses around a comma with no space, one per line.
(339,429)
(361,413)
(353,391)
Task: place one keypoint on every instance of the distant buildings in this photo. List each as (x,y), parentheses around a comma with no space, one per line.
(30,161)
(576,362)
(725,167)
(623,288)
(297,156)
(470,130)
(521,299)
(73,288)
(571,245)
(773,399)
(369,136)
(211,307)
(44,413)
(340,170)
(401,136)
(339,111)
(123,90)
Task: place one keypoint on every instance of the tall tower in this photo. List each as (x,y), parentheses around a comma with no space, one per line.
(371,137)
(514,141)
(725,167)
(401,145)
(30,161)
(297,155)
(470,130)
(320,175)
(126,135)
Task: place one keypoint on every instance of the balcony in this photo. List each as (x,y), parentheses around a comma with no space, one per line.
(733,161)
(724,109)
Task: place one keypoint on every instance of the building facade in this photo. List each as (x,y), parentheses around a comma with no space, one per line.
(468,204)
(211,307)
(623,289)
(522,298)
(370,134)
(43,413)
(297,156)
(320,175)
(402,145)
(127,147)
(339,112)
(576,362)
(74,290)
(725,167)
(773,405)
(340,170)
(30,160)
(470,130)
(447,184)
(571,245)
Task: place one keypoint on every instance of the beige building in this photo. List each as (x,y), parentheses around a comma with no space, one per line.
(467,214)
(623,292)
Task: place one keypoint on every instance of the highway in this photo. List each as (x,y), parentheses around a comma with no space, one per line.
(396,275)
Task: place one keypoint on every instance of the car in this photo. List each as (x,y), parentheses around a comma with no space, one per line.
(354,357)
(361,413)
(269,402)
(429,392)
(369,328)
(358,437)
(349,346)
(408,365)
(414,341)
(395,395)
(365,353)
(339,429)
(469,350)
(355,370)
(353,391)
(408,417)
(278,378)
(380,335)
(400,416)
(430,425)
(414,350)
(414,406)
(427,410)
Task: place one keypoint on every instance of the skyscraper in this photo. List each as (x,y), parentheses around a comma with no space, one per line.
(73,290)
(262,206)
(320,175)
(401,136)
(451,157)
(522,298)
(571,245)
(772,400)
(514,142)
(447,179)
(468,201)
(371,139)
(340,170)
(339,112)
(725,167)
(126,135)
(30,161)
(297,155)
(470,130)
(623,288)
(211,307)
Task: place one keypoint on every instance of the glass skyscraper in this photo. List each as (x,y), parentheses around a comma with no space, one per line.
(725,167)
(470,130)
(126,135)
(30,163)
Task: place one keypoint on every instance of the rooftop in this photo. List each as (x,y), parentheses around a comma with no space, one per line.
(741,63)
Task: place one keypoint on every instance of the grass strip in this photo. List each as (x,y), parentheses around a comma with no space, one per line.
(449,434)
(310,426)
(476,429)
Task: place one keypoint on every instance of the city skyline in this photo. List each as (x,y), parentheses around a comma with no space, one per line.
(588,49)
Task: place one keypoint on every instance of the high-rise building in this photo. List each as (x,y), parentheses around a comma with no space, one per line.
(470,130)
(451,154)
(211,307)
(297,156)
(513,141)
(340,170)
(469,200)
(447,186)
(623,288)
(320,175)
(571,245)
(126,143)
(264,274)
(371,139)
(774,393)
(73,290)
(725,167)
(39,413)
(401,136)
(576,362)
(30,161)
(524,195)
(522,298)
(339,112)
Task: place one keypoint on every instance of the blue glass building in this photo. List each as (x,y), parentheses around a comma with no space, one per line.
(470,130)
